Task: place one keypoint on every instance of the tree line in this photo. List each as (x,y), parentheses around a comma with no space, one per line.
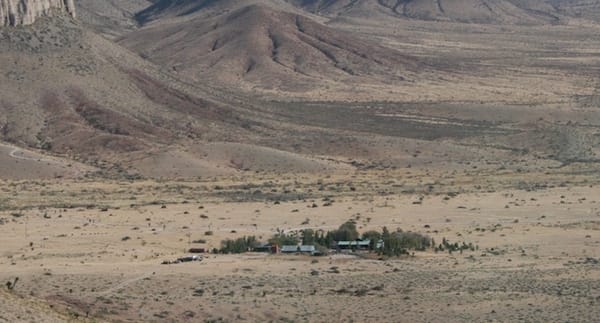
(384,242)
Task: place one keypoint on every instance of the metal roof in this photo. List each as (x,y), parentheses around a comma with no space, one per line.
(354,243)
(303,248)
(289,248)
(307,248)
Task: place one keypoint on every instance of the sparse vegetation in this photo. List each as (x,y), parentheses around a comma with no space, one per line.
(452,247)
(438,129)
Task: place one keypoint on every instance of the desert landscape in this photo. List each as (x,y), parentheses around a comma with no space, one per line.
(457,141)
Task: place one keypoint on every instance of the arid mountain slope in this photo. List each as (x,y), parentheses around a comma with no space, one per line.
(221,87)
(162,9)
(25,12)
(70,93)
(112,18)
(587,9)
(173,8)
(73,93)
(530,12)
(258,46)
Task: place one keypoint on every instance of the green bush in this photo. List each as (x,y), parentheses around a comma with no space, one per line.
(452,247)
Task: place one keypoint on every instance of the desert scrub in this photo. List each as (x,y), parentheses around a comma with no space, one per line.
(452,247)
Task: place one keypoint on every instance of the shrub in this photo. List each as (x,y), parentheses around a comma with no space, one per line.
(451,247)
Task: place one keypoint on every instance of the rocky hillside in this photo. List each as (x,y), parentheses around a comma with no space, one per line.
(25,12)
(110,18)
(261,48)
(510,12)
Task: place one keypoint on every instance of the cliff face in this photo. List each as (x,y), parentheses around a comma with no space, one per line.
(25,12)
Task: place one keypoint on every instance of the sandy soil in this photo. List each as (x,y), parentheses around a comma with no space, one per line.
(537,256)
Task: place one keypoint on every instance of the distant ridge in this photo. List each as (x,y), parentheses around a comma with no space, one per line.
(528,12)
(261,46)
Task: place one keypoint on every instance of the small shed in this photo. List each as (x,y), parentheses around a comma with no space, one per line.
(310,249)
(353,245)
(290,248)
(263,248)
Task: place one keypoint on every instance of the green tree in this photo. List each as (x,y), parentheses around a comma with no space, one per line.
(373,236)
(239,245)
(346,232)
(308,237)
(283,239)
(398,243)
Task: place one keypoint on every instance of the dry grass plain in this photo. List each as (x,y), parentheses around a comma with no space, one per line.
(93,248)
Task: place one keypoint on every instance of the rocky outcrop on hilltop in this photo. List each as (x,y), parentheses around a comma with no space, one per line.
(25,12)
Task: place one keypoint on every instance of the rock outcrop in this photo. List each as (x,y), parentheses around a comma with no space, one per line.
(25,12)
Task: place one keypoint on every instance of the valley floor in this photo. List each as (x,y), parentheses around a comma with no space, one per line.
(100,259)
